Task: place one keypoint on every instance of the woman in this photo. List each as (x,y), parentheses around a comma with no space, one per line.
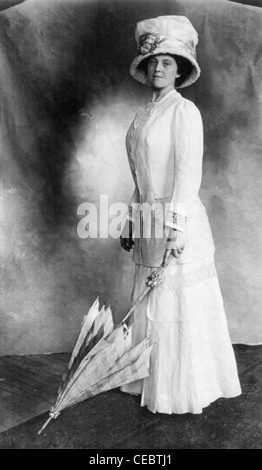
(192,362)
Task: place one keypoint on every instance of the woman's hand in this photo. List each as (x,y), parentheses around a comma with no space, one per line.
(126,241)
(175,244)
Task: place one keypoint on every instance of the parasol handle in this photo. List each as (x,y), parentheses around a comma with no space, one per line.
(151,283)
(45,425)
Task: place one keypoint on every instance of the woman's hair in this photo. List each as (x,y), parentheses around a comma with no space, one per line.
(184,67)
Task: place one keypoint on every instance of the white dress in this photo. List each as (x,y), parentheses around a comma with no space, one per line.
(192,362)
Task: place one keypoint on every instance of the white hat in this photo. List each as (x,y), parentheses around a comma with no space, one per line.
(166,35)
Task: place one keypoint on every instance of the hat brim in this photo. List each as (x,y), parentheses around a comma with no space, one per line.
(139,75)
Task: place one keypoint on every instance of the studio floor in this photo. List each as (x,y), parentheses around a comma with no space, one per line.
(114,420)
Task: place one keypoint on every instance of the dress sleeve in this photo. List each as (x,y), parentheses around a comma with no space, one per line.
(188,153)
(133,205)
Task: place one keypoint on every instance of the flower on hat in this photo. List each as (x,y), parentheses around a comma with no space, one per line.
(148,42)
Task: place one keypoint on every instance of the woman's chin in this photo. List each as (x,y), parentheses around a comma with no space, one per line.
(158,86)
(158,83)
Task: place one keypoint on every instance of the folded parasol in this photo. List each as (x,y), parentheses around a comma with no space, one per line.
(103,357)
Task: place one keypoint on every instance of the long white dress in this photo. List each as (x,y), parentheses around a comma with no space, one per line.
(192,362)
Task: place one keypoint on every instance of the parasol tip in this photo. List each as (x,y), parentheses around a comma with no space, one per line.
(45,425)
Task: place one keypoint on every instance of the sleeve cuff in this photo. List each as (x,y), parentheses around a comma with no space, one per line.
(176,221)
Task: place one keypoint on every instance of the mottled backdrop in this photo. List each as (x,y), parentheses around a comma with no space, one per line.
(66,102)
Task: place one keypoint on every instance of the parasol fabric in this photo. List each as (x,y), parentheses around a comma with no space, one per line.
(103,357)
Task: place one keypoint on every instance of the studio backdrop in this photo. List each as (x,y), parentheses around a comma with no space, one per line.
(67,100)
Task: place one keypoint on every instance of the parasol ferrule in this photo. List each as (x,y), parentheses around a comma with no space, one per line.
(52,415)
(44,425)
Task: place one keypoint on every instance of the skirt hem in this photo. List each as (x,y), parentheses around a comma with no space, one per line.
(195,412)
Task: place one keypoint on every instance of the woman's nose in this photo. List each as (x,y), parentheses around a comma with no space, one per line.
(158,67)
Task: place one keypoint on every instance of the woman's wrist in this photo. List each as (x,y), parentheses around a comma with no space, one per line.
(176,240)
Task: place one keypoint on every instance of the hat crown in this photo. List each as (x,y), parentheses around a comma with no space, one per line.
(169,27)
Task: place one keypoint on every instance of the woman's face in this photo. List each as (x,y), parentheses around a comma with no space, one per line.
(162,71)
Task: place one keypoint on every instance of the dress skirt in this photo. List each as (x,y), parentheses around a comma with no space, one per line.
(192,361)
